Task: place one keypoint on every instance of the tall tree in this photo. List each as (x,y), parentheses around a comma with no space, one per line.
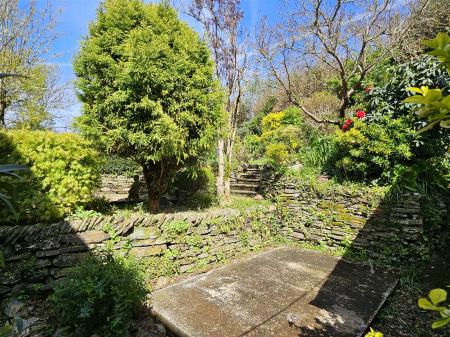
(221,21)
(349,37)
(26,34)
(146,82)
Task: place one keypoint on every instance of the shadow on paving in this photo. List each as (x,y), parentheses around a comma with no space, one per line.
(287,292)
(393,257)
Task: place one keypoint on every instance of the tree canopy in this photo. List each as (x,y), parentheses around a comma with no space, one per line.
(146,82)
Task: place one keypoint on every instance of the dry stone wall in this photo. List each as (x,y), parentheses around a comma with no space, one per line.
(361,219)
(42,253)
(120,188)
(337,218)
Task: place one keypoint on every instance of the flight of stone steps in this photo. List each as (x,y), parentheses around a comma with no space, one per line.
(246,180)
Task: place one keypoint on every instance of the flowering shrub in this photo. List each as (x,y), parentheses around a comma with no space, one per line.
(360,114)
(277,152)
(347,124)
(371,151)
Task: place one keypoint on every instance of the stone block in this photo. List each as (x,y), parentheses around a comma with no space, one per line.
(69,260)
(147,251)
(142,233)
(298,235)
(55,252)
(148,242)
(85,237)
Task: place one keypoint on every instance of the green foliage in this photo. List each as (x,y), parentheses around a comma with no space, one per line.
(193,179)
(63,173)
(278,153)
(254,125)
(201,200)
(12,330)
(37,99)
(373,151)
(435,105)
(100,296)
(434,302)
(284,133)
(428,177)
(388,97)
(373,333)
(175,228)
(146,81)
(8,170)
(116,165)
(319,152)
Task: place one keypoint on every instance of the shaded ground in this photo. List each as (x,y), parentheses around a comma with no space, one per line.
(400,316)
(283,292)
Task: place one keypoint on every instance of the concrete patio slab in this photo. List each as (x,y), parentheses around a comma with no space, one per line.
(284,292)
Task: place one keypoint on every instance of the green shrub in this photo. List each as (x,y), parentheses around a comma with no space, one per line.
(116,165)
(63,173)
(284,133)
(99,296)
(200,200)
(192,180)
(373,151)
(319,152)
(388,99)
(253,144)
(278,153)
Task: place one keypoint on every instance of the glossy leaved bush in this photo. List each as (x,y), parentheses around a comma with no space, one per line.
(146,82)
(435,102)
(436,301)
(63,173)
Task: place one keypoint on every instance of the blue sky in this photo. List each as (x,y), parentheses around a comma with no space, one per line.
(73,25)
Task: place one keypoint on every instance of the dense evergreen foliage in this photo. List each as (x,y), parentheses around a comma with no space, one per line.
(146,81)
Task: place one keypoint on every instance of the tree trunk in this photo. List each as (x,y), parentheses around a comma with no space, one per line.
(2,116)
(153,192)
(153,202)
(221,170)
(228,165)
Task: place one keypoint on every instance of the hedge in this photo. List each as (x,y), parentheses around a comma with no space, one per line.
(64,171)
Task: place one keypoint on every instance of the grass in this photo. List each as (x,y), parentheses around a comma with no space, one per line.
(244,203)
(130,208)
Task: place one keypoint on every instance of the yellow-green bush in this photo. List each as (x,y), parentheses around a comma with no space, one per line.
(375,150)
(283,135)
(277,152)
(63,173)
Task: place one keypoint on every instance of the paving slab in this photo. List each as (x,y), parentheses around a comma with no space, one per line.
(284,292)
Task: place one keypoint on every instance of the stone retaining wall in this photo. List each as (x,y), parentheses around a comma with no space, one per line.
(120,188)
(336,218)
(41,253)
(362,218)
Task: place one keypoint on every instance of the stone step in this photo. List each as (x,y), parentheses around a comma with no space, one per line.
(249,176)
(243,192)
(252,166)
(250,171)
(244,186)
(255,181)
